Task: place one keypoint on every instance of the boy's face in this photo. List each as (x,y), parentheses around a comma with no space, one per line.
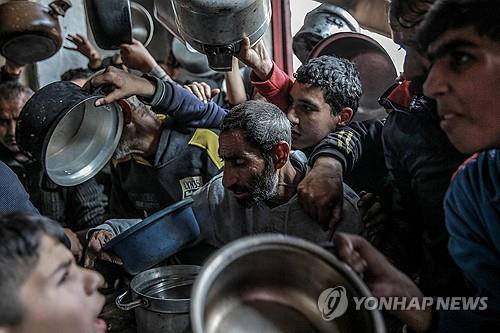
(310,115)
(465,80)
(60,296)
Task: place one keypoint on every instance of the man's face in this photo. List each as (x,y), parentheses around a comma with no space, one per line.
(415,65)
(465,80)
(310,116)
(60,296)
(247,174)
(9,113)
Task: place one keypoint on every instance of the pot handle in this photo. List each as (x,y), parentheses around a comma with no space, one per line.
(59,7)
(132,305)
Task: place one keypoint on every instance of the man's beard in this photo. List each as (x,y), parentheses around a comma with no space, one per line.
(125,148)
(263,187)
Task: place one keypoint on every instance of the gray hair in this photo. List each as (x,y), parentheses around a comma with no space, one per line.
(265,125)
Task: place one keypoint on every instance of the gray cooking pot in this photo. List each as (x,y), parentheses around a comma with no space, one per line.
(215,27)
(62,128)
(320,23)
(161,299)
(273,283)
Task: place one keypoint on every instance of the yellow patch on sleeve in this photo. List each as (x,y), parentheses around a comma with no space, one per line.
(208,140)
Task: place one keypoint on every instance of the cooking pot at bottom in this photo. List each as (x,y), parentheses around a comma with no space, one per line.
(274,283)
(161,299)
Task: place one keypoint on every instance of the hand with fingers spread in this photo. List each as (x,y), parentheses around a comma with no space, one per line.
(136,56)
(202,90)
(373,213)
(321,192)
(256,57)
(83,45)
(124,85)
(95,249)
(381,277)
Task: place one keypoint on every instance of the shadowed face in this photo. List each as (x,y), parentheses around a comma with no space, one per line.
(9,114)
(248,174)
(464,80)
(310,115)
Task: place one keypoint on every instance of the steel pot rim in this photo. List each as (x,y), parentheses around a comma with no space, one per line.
(252,244)
(108,149)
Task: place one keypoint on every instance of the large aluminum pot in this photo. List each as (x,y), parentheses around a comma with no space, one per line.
(161,299)
(30,31)
(62,128)
(320,23)
(215,27)
(275,283)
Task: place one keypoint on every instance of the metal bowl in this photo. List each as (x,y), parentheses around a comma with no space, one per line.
(272,283)
(158,237)
(62,128)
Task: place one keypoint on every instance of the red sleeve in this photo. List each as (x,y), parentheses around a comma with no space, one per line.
(276,88)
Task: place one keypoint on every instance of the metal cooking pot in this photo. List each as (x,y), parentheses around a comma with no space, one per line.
(215,27)
(320,23)
(375,66)
(62,128)
(29,31)
(272,283)
(110,21)
(161,299)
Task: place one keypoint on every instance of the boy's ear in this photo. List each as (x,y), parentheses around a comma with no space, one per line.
(281,152)
(345,116)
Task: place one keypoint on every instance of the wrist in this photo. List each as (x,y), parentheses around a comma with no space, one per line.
(264,70)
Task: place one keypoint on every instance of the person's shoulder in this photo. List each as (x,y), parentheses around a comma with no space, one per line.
(481,171)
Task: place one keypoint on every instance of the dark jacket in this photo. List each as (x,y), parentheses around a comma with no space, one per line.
(421,161)
(185,160)
(75,207)
(13,197)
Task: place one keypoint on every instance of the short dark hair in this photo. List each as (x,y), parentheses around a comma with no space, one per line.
(482,15)
(338,78)
(76,74)
(20,237)
(265,125)
(13,90)
(409,13)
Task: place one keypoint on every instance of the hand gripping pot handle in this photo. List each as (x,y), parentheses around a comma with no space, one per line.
(131,305)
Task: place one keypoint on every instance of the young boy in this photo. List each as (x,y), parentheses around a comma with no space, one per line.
(42,288)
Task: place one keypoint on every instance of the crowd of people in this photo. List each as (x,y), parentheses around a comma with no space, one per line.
(411,201)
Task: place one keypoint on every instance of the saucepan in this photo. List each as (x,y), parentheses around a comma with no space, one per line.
(30,31)
(275,283)
(160,298)
(116,22)
(62,128)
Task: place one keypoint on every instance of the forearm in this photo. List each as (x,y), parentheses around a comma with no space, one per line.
(235,89)
(275,87)
(174,101)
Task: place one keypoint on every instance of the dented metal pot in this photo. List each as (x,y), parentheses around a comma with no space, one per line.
(29,31)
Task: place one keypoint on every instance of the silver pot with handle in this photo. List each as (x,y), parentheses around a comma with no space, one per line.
(160,298)
(274,283)
(215,27)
